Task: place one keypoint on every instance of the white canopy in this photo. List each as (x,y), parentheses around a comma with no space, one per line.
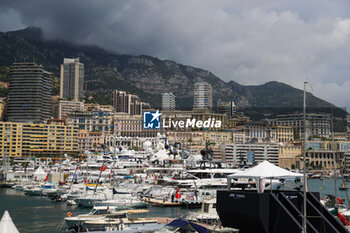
(265,170)
(6,224)
(261,173)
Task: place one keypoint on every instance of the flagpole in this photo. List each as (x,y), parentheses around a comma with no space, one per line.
(99,176)
(304,160)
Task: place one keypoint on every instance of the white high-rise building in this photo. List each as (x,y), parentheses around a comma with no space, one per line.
(203,96)
(72,79)
(168,101)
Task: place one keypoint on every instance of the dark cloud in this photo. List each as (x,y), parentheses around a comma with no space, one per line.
(251,42)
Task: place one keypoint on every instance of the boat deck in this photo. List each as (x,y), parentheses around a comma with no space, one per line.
(157,202)
(164,220)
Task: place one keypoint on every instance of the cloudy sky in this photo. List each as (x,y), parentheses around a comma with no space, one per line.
(248,41)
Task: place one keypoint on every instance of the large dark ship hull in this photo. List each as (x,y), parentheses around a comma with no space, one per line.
(274,212)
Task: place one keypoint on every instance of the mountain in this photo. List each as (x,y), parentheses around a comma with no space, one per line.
(143,75)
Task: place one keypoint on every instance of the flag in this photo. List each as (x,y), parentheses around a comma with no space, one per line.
(343,219)
(103,168)
(339,201)
(177,195)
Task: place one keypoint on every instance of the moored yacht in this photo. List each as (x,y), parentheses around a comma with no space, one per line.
(127,220)
(96,213)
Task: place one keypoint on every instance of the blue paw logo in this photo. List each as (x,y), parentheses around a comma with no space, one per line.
(151,120)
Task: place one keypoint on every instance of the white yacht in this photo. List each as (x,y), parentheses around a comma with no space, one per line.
(132,220)
(207,215)
(97,212)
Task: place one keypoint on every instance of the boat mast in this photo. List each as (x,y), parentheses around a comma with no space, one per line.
(114,155)
(304,159)
(334,159)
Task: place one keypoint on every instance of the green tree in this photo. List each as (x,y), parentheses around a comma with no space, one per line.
(25,165)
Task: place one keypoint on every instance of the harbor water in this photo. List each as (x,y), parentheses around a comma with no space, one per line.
(326,186)
(41,215)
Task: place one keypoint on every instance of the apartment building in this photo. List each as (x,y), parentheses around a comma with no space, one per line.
(290,154)
(250,153)
(63,108)
(203,96)
(72,79)
(91,141)
(316,124)
(29,93)
(101,121)
(126,125)
(168,101)
(42,140)
(128,103)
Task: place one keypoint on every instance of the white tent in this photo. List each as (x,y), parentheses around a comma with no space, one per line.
(262,172)
(6,224)
(39,174)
